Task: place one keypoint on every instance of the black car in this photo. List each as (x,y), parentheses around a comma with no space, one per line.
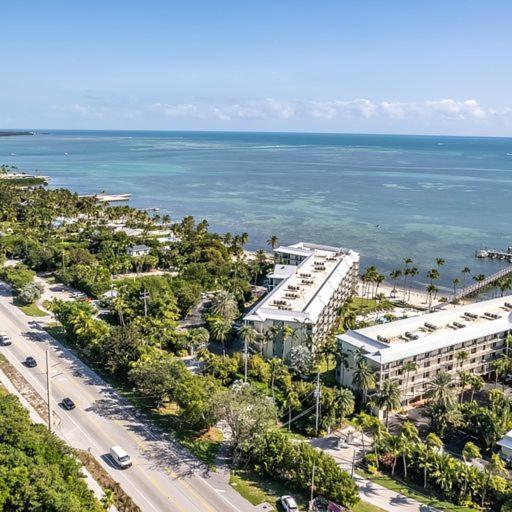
(30,362)
(68,404)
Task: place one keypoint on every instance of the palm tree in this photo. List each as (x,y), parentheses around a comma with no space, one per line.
(469,452)
(363,378)
(507,343)
(388,397)
(407,368)
(432,443)
(395,275)
(248,335)
(378,431)
(501,367)
(477,383)
(408,436)
(440,262)
(440,389)
(431,290)
(461,357)
(224,305)
(343,362)
(349,320)
(465,271)
(220,329)
(464,381)
(362,422)
(273,241)
(413,271)
(455,283)
(433,275)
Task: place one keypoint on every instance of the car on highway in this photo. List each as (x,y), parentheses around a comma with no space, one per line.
(289,504)
(68,404)
(120,457)
(30,362)
(4,339)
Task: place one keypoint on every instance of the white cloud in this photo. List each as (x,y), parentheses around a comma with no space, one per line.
(259,109)
(361,111)
(458,109)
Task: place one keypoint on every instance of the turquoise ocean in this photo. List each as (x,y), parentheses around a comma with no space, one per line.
(386,196)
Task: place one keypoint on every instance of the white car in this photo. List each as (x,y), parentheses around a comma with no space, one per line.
(4,339)
(289,504)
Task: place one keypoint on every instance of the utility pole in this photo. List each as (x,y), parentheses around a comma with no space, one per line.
(245,359)
(145,296)
(353,464)
(49,387)
(317,396)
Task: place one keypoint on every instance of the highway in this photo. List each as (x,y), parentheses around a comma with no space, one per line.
(164,477)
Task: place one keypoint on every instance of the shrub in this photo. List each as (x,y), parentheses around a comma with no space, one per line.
(31,292)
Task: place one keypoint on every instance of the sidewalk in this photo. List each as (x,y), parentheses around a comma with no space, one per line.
(369,491)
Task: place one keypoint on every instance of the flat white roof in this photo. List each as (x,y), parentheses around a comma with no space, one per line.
(506,440)
(306,288)
(282,271)
(415,335)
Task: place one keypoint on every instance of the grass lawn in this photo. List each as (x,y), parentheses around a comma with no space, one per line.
(29,309)
(258,489)
(415,492)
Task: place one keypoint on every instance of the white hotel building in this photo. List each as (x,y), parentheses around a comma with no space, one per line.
(307,287)
(432,341)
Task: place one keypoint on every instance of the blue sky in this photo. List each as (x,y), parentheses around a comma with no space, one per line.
(387,66)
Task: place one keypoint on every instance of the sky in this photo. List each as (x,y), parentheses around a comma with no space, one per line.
(390,66)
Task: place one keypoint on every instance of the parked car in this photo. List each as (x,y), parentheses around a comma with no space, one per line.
(289,504)
(68,404)
(4,339)
(342,443)
(30,362)
(120,457)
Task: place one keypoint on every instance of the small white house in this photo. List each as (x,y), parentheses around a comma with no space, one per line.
(136,251)
(505,444)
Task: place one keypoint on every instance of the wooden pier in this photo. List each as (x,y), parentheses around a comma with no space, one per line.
(475,287)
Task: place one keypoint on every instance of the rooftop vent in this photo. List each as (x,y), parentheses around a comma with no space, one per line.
(492,316)
(411,336)
(459,325)
(470,315)
(508,305)
(432,327)
(383,339)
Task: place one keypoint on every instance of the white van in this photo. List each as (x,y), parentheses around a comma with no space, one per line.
(4,339)
(120,457)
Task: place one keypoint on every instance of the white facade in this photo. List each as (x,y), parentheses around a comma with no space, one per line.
(137,251)
(432,342)
(505,444)
(308,285)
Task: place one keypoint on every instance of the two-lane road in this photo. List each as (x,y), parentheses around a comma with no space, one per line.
(164,477)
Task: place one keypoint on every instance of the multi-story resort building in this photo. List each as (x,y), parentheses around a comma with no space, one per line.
(465,338)
(308,285)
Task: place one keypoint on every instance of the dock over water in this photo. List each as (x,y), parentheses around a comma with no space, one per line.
(495,254)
